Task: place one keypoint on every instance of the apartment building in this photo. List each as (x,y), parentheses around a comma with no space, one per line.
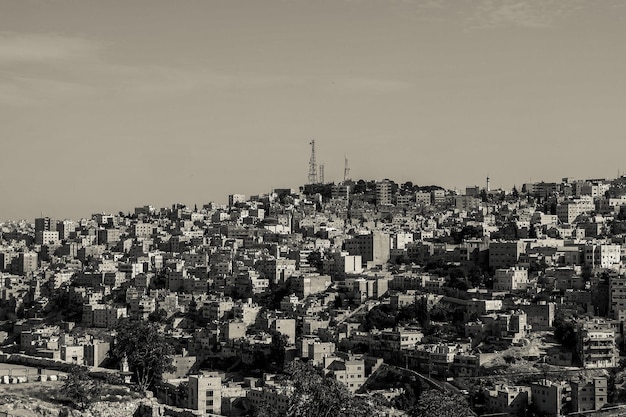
(511,279)
(596,344)
(589,394)
(205,392)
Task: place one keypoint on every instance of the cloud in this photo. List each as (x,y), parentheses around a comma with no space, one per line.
(522,13)
(371,85)
(40,69)
(29,91)
(156,79)
(21,48)
(35,68)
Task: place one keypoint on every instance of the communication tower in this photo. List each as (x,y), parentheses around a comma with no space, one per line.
(312,165)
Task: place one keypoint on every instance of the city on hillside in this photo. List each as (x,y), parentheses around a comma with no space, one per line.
(357,298)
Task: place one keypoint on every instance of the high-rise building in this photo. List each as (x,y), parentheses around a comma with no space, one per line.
(383,192)
(27,262)
(44,224)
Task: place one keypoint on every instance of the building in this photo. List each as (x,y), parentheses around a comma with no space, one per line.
(44,224)
(510,279)
(27,262)
(589,394)
(422,198)
(272,395)
(276,270)
(314,350)
(569,210)
(341,190)
(602,255)
(374,247)
(47,237)
(510,400)
(438,196)
(505,254)
(303,286)
(349,370)
(286,327)
(466,202)
(596,344)
(548,397)
(205,392)
(234,199)
(540,316)
(383,192)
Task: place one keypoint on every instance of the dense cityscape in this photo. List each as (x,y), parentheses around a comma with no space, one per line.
(355,298)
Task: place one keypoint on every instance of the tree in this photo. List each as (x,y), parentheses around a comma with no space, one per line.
(433,403)
(381,317)
(565,332)
(80,388)
(182,394)
(318,396)
(278,348)
(316,260)
(158,316)
(145,349)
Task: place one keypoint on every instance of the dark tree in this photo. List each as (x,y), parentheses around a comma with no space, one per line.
(319,396)
(565,332)
(433,403)
(80,388)
(158,316)
(316,260)
(381,317)
(360,187)
(278,349)
(145,349)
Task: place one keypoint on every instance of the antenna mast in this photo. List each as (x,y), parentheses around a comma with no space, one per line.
(312,165)
(321,173)
(346,170)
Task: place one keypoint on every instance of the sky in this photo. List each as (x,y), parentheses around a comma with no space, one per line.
(111,104)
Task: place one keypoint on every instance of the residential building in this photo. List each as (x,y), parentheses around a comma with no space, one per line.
(373,247)
(589,394)
(596,344)
(383,192)
(505,254)
(510,279)
(205,392)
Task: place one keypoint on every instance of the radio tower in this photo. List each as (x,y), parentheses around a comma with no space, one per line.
(346,170)
(312,165)
(321,173)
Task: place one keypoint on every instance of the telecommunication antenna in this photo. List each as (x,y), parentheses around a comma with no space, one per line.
(312,165)
(346,170)
(321,173)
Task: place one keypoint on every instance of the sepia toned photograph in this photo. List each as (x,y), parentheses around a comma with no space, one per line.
(312,208)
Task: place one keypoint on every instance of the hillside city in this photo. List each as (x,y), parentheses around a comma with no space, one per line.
(373,297)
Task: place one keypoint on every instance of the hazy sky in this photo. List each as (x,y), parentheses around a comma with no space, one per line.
(106,105)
